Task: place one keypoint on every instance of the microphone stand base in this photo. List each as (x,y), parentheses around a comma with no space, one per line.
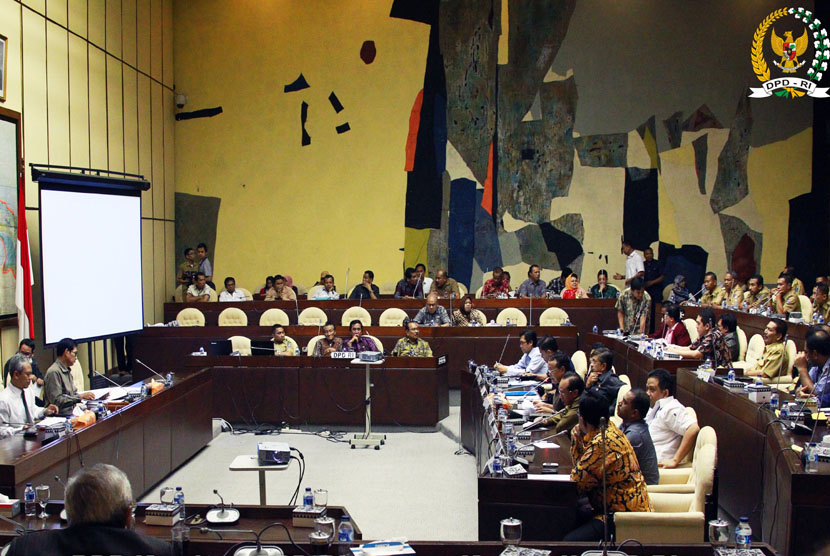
(263,551)
(599,552)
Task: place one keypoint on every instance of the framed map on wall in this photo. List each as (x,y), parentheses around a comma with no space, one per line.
(9,165)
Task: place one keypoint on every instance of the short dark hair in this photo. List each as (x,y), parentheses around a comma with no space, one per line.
(356,321)
(707,316)
(202,274)
(230,279)
(65,344)
(274,328)
(626,241)
(729,321)
(548,343)
(531,267)
(566,272)
(408,272)
(602,272)
(788,278)
(665,380)
(712,274)
(370,273)
(202,246)
(530,336)
(780,326)
(823,287)
(605,357)
(640,402)
(327,276)
(818,340)
(329,323)
(757,277)
(27,342)
(592,408)
(575,382)
(187,250)
(637,283)
(673,311)
(421,264)
(563,360)
(279,277)
(596,346)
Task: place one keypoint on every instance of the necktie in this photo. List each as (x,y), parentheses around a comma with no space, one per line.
(26,407)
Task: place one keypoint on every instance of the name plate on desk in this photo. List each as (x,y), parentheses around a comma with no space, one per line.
(344,355)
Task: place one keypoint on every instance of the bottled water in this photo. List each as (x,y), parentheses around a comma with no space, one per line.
(180,501)
(743,534)
(308,497)
(345,535)
(497,470)
(595,329)
(773,401)
(811,458)
(731,374)
(29,501)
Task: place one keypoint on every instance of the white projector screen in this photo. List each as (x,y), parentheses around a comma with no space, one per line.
(90,247)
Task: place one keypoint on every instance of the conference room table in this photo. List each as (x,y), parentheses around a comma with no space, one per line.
(629,361)
(165,348)
(147,439)
(407,391)
(547,508)
(583,313)
(759,474)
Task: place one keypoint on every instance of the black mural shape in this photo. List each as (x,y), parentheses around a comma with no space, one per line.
(701,147)
(297,85)
(335,102)
(306,140)
(423,11)
(343,128)
(688,260)
(566,247)
(641,222)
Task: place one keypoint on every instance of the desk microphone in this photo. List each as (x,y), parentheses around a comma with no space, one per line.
(63,515)
(504,347)
(560,433)
(693,297)
(297,308)
(415,291)
(149,369)
(530,317)
(108,379)
(19,529)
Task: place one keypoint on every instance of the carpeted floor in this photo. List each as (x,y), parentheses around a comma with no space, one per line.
(415,486)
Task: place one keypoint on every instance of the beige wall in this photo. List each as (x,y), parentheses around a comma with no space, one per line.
(93,80)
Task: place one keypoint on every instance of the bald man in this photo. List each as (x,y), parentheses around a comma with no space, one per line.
(444,286)
(433,314)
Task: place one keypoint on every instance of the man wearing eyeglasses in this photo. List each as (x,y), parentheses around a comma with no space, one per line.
(570,391)
(17,402)
(58,387)
(531,363)
(27,349)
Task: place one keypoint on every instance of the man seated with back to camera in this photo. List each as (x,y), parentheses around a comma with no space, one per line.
(366,289)
(58,388)
(411,345)
(283,345)
(625,484)
(633,308)
(26,348)
(710,343)
(673,430)
(358,341)
(17,401)
(280,291)
(99,505)
(230,293)
(199,290)
(411,287)
(774,359)
(601,379)
(531,362)
(813,365)
(329,343)
(433,314)
(632,409)
(728,326)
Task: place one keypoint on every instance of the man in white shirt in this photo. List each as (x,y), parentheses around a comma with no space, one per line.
(531,362)
(634,264)
(672,429)
(421,269)
(230,293)
(199,289)
(17,401)
(328,291)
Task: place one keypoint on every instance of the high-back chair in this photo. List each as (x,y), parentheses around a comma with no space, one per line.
(233,316)
(241,344)
(272,317)
(191,316)
(553,316)
(392,317)
(312,316)
(358,313)
(516,317)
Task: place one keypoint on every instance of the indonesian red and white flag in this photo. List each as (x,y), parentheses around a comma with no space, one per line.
(24,279)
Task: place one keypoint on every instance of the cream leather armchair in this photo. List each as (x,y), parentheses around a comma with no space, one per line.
(681,480)
(190,316)
(553,316)
(806,308)
(241,345)
(272,317)
(233,316)
(392,317)
(358,313)
(516,317)
(312,316)
(677,518)
(691,328)
(754,350)
(580,362)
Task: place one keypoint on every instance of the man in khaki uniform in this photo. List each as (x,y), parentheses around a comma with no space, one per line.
(714,294)
(444,286)
(733,291)
(820,305)
(570,390)
(774,359)
(756,294)
(784,300)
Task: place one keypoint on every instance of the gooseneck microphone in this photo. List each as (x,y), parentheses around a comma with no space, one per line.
(143,364)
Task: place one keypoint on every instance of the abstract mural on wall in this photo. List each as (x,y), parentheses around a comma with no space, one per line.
(496,141)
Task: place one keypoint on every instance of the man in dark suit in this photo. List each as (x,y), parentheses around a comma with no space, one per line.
(99,504)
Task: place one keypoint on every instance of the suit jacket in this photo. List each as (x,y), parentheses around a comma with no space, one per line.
(88,540)
(681,335)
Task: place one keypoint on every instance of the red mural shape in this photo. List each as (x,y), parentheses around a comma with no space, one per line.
(368,52)
(743,259)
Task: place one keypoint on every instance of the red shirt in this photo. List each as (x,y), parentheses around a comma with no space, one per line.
(491,288)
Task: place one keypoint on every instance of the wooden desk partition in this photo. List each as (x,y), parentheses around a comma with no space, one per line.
(165,348)
(629,361)
(409,391)
(147,439)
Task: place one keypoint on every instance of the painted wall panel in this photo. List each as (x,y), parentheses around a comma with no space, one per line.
(115,115)
(130,120)
(57,83)
(77,16)
(78,102)
(98,142)
(35,127)
(113,17)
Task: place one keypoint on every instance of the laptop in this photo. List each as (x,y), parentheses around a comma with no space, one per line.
(220,347)
(262,347)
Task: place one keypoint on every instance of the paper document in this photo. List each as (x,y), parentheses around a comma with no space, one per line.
(111,394)
(545,444)
(561,477)
(51,422)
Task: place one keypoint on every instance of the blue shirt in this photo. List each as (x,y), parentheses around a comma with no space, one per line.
(531,363)
(820,388)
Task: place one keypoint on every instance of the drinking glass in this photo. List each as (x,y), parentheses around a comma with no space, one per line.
(718,532)
(321,498)
(511,531)
(42,497)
